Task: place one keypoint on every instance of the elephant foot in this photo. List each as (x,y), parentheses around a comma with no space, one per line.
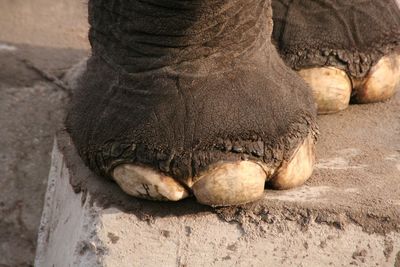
(221,184)
(177,146)
(190,98)
(338,52)
(334,89)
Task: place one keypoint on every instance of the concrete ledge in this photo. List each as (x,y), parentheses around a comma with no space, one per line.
(348,213)
(61,23)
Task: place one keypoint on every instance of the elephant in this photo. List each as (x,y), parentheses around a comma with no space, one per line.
(214,99)
(347,51)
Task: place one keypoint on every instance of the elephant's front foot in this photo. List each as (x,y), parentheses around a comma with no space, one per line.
(334,89)
(177,136)
(190,98)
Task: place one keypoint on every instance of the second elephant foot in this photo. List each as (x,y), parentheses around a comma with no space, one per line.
(333,89)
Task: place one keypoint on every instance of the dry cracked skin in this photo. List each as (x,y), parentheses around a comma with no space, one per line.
(192,98)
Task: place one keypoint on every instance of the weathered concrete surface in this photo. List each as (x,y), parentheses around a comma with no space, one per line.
(348,213)
(61,23)
(31,109)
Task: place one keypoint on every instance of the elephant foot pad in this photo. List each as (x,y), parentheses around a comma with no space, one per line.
(347,213)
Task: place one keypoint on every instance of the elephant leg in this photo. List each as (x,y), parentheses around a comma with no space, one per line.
(347,51)
(186,98)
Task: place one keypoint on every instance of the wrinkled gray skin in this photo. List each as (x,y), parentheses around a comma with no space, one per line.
(179,85)
(350,35)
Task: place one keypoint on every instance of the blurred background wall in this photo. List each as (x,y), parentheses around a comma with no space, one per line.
(51,23)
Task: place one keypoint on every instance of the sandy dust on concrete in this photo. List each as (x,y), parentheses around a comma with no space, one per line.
(31,109)
(60,23)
